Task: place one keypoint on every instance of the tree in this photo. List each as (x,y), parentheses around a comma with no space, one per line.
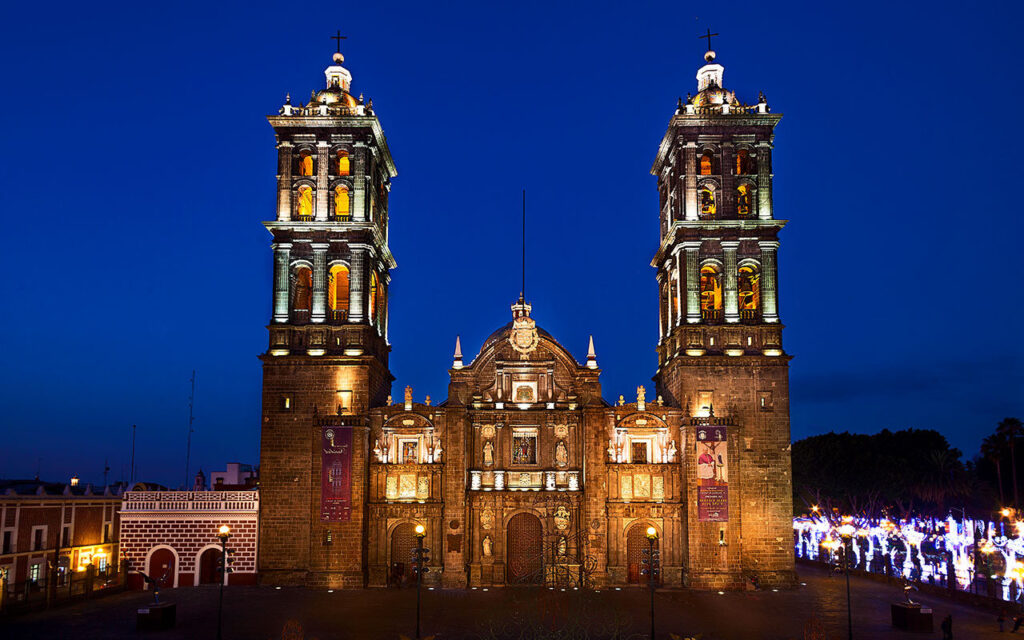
(992,448)
(1010,428)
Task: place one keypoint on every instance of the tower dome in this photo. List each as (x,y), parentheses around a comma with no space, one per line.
(710,91)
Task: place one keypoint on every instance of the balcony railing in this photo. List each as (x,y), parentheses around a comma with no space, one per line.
(300,316)
(750,316)
(337,316)
(711,316)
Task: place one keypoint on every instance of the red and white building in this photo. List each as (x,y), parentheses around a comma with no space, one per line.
(171,536)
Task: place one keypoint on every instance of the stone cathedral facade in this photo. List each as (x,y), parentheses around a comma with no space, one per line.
(525,474)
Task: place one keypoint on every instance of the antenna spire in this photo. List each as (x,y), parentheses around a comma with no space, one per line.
(523,292)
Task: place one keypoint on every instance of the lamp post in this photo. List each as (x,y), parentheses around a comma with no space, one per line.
(847,531)
(652,568)
(223,533)
(419,559)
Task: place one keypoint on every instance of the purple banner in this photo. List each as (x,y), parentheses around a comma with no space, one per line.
(336,474)
(712,457)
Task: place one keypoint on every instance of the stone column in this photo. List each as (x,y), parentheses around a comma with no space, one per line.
(692,281)
(360,165)
(386,297)
(357,285)
(677,273)
(284,181)
(732,294)
(321,207)
(769,277)
(727,198)
(764,180)
(669,311)
(282,261)
(661,308)
(319,282)
(691,181)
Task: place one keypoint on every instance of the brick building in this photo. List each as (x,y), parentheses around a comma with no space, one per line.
(171,536)
(525,473)
(39,520)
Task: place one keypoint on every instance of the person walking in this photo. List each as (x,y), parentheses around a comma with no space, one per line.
(947,627)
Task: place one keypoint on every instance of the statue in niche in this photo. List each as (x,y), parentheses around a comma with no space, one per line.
(611,450)
(488,453)
(487,546)
(561,454)
(672,451)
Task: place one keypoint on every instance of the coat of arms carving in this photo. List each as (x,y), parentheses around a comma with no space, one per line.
(523,338)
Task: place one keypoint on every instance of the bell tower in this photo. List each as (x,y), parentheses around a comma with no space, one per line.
(720,354)
(326,363)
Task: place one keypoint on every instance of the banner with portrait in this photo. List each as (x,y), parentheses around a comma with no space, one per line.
(335,474)
(712,460)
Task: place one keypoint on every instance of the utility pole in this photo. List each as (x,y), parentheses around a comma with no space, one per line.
(191,418)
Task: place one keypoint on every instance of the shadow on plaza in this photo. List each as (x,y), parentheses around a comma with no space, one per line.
(816,610)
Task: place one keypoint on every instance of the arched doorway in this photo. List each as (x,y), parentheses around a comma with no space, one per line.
(162,567)
(524,550)
(636,542)
(209,566)
(403,541)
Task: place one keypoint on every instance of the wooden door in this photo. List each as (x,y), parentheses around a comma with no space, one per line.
(524,550)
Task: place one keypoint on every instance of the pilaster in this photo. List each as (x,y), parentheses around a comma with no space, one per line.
(282,261)
(691,180)
(769,296)
(732,311)
(284,181)
(764,180)
(319,313)
(692,249)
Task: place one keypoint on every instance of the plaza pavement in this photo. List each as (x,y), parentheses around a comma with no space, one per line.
(300,614)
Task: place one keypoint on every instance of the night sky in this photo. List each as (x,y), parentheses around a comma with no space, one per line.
(138,165)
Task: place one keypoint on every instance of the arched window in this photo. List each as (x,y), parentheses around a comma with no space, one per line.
(710,289)
(337,292)
(341,203)
(744,201)
(750,288)
(343,163)
(707,201)
(745,163)
(305,163)
(304,205)
(707,164)
(302,295)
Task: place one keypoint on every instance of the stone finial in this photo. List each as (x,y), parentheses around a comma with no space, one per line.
(457,362)
(591,355)
(427,401)
(622,400)
(391,400)
(661,401)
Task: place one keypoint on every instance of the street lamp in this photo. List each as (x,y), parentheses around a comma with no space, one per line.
(651,560)
(847,531)
(419,559)
(224,532)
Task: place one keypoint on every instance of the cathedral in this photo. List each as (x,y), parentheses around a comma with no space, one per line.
(526,474)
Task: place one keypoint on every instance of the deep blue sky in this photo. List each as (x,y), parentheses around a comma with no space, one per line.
(137,166)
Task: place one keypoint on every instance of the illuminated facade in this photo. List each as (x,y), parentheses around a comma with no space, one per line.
(720,348)
(524,474)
